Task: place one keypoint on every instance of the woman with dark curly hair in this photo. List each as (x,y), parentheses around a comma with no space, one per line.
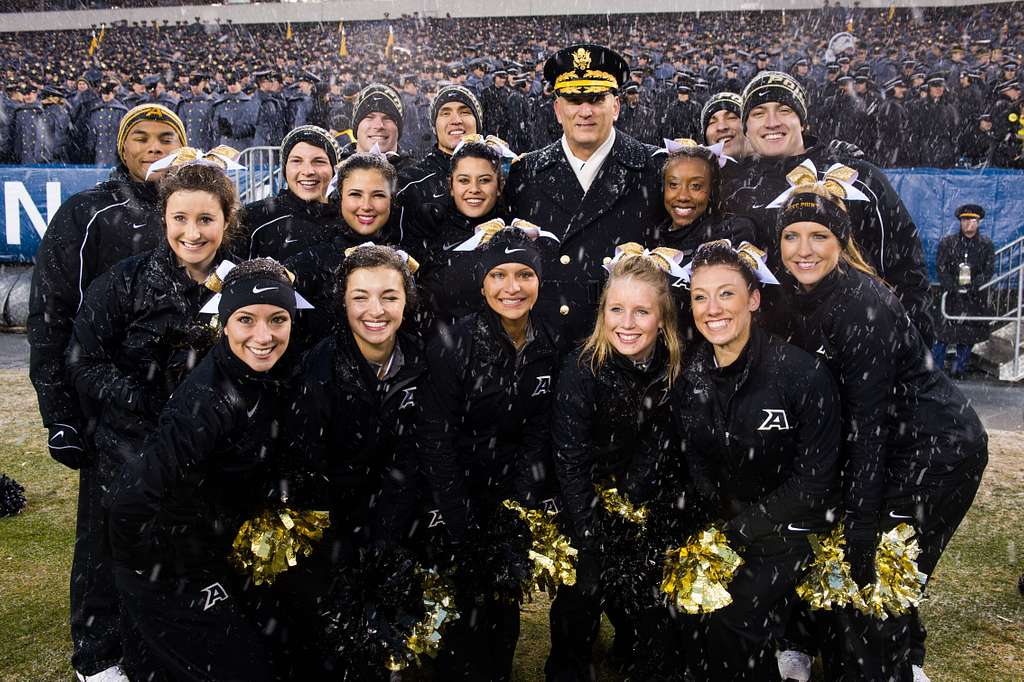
(211,462)
(140,330)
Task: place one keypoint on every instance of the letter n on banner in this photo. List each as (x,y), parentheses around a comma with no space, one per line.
(17,197)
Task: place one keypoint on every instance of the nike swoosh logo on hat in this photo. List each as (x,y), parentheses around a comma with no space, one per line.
(508,250)
(260,290)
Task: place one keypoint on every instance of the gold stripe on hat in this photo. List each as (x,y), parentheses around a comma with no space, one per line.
(586,84)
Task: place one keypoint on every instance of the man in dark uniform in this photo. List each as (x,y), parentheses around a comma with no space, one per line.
(58,124)
(90,232)
(774,118)
(28,129)
(271,110)
(300,99)
(977,143)
(892,126)
(1006,149)
(101,127)
(234,117)
(682,118)
(935,125)
(196,110)
(636,119)
(595,188)
(965,261)
(416,121)
(494,101)
(520,114)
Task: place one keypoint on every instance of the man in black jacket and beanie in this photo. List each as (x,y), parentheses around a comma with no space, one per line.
(89,233)
(966,260)
(774,119)
(594,189)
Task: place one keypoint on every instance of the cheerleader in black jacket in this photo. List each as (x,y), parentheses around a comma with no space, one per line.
(759,420)
(206,467)
(302,214)
(914,450)
(351,422)
(691,186)
(369,214)
(484,431)
(611,425)
(140,330)
(475,186)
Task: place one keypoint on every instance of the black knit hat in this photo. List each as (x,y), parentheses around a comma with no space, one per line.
(808,204)
(509,245)
(720,101)
(314,135)
(775,86)
(377,97)
(457,93)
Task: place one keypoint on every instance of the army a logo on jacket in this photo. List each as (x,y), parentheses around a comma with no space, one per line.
(774,420)
(543,385)
(214,593)
(408,398)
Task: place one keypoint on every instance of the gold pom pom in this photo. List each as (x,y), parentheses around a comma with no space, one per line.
(425,640)
(617,504)
(213,282)
(898,584)
(1013,118)
(828,582)
(271,542)
(554,559)
(697,575)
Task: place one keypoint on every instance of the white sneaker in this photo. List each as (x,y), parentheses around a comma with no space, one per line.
(111,674)
(919,675)
(794,665)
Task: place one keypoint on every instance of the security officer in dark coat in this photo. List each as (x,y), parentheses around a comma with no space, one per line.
(101,127)
(271,110)
(965,261)
(495,100)
(682,117)
(300,99)
(935,125)
(882,226)
(196,110)
(520,113)
(594,189)
(234,117)
(90,232)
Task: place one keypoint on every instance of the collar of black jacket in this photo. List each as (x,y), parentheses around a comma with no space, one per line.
(807,301)
(625,150)
(314,209)
(144,192)
(354,373)
(241,373)
(698,371)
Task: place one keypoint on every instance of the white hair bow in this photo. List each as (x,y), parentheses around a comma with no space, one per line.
(485,231)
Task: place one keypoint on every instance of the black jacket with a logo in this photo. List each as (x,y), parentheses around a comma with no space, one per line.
(903,420)
(484,421)
(611,427)
(763,435)
(282,226)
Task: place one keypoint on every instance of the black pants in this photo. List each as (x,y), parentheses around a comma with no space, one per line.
(575,619)
(95,605)
(481,644)
(193,629)
(855,647)
(737,643)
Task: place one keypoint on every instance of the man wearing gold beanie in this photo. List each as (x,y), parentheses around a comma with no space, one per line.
(90,232)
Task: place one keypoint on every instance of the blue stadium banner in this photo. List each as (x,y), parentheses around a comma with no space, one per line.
(932,195)
(31,196)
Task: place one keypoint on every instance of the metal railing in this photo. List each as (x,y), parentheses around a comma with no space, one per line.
(1003,293)
(262,177)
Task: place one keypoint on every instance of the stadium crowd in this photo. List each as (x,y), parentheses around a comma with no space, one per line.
(930,86)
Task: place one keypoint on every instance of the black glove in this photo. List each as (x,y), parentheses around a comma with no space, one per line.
(66,446)
(838,150)
(862,564)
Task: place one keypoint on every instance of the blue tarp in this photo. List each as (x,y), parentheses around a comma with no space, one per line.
(31,194)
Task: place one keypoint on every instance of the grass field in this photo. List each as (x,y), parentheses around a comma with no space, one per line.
(974,615)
